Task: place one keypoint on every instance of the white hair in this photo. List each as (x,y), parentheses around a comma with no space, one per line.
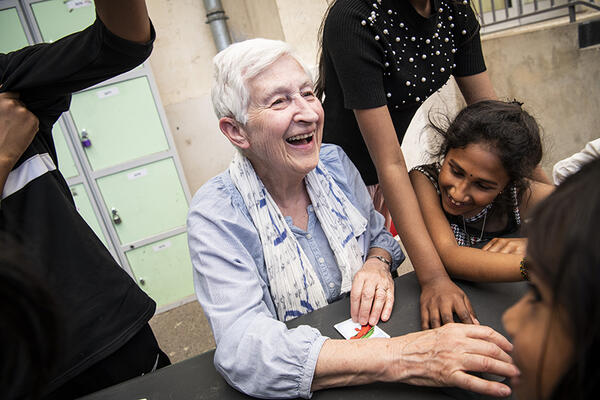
(238,63)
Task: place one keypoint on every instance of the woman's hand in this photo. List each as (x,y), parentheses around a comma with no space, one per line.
(442,357)
(372,294)
(441,297)
(507,246)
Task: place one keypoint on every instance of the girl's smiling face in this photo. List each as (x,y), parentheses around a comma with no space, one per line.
(470,179)
(543,348)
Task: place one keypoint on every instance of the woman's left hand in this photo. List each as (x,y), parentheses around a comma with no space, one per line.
(516,246)
(372,294)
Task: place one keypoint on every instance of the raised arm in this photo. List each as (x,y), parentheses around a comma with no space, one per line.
(17,128)
(127,19)
(460,262)
(439,296)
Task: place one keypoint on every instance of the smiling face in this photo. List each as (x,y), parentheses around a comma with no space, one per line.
(470,178)
(542,347)
(285,122)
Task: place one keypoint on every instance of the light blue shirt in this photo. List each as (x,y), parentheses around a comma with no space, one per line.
(256,353)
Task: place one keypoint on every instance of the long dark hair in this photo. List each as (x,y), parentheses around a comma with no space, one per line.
(506,128)
(320,82)
(565,253)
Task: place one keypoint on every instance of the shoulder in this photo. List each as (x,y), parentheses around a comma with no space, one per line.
(216,199)
(336,161)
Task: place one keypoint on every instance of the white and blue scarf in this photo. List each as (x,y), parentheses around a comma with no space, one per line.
(295,287)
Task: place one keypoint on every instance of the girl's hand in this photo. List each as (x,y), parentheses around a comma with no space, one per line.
(372,293)
(507,246)
(441,297)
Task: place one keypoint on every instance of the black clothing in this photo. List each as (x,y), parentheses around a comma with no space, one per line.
(384,52)
(102,306)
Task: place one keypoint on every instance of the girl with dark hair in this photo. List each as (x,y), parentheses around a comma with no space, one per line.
(481,190)
(556,326)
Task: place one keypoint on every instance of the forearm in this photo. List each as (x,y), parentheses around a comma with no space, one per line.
(352,362)
(127,19)
(409,223)
(481,266)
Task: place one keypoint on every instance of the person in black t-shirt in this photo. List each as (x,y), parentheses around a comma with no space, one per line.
(380,60)
(109,339)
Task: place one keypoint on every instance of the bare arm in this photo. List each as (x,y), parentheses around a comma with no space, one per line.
(461,262)
(438,357)
(125,18)
(476,87)
(439,296)
(17,129)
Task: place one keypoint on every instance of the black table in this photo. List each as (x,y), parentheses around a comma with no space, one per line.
(196,378)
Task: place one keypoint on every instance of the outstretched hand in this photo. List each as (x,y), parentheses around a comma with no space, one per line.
(444,356)
(372,294)
(440,300)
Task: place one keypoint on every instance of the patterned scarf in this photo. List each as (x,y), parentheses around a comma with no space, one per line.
(295,287)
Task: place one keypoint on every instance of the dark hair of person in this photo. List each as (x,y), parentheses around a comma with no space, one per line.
(29,326)
(320,83)
(564,251)
(508,131)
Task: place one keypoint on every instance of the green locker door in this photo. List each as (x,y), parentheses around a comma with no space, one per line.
(133,129)
(58,18)
(84,206)
(12,35)
(144,201)
(66,165)
(163,269)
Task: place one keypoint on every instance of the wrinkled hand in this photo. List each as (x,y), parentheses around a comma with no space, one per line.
(440,297)
(372,294)
(441,357)
(17,128)
(507,246)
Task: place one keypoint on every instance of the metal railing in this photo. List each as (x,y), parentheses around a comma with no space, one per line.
(497,14)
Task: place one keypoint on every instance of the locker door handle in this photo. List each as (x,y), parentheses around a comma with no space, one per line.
(85,139)
(115,216)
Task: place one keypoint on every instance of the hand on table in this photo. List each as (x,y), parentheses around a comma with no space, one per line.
(441,357)
(372,294)
(516,246)
(440,297)
(18,126)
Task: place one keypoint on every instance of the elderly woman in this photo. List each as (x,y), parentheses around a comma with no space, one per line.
(287,229)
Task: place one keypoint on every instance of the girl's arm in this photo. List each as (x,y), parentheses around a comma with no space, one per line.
(440,297)
(537,192)
(461,262)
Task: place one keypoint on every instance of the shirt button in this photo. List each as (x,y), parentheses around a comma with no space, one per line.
(309,236)
(321,260)
(331,285)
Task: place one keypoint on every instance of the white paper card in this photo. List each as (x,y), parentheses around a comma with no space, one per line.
(162,246)
(349,329)
(73,4)
(137,174)
(108,92)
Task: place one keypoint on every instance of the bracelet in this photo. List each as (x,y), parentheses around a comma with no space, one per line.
(382,259)
(523,269)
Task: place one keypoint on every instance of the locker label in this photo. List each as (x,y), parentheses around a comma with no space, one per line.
(73,4)
(104,93)
(137,174)
(162,246)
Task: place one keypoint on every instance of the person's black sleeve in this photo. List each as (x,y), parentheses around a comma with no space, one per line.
(469,56)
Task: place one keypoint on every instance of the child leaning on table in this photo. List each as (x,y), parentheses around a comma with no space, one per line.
(556,326)
(481,189)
